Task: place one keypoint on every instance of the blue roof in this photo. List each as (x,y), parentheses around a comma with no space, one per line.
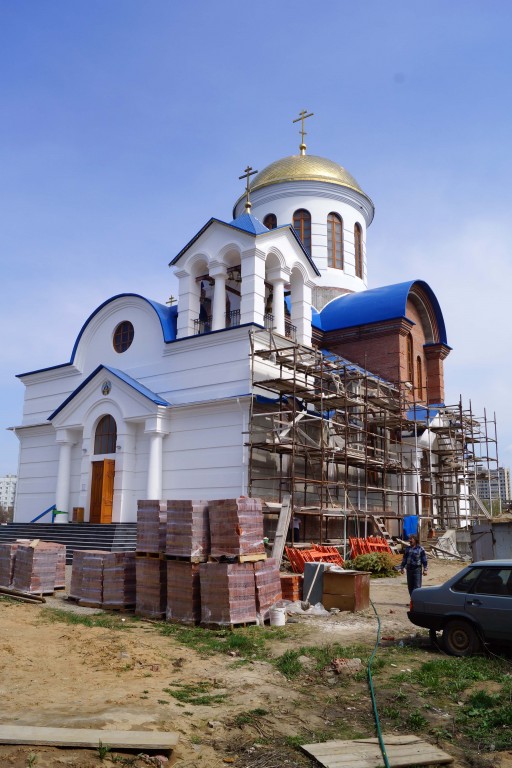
(249,223)
(156,399)
(167,315)
(377,305)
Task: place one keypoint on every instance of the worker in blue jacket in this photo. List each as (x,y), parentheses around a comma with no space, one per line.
(414,562)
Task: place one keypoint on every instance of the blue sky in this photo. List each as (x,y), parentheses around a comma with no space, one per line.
(125,126)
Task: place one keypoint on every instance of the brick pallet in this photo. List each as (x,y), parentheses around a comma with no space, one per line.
(119,580)
(7,557)
(268,586)
(228,593)
(35,566)
(188,530)
(151,587)
(151,526)
(183,592)
(236,527)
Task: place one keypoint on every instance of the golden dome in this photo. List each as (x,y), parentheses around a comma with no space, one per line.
(305,168)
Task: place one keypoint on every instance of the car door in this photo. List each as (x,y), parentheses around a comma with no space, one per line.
(490,603)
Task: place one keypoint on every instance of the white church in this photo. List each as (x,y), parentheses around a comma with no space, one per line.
(155,400)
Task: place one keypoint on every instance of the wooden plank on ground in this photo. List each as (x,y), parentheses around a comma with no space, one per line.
(402,752)
(89,738)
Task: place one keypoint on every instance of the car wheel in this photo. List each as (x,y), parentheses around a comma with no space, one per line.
(460,638)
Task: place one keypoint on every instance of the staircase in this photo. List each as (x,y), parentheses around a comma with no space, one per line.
(379,524)
(116,537)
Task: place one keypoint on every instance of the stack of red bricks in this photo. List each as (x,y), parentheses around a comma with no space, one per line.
(151,526)
(188,543)
(236,527)
(228,593)
(119,580)
(172,577)
(291,586)
(268,586)
(7,557)
(39,567)
(150,566)
(103,579)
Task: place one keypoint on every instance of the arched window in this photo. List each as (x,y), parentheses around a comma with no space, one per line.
(302,226)
(410,360)
(105,438)
(358,246)
(335,241)
(270,221)
(419,377)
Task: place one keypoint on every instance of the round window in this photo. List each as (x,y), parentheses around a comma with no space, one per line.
(123,336)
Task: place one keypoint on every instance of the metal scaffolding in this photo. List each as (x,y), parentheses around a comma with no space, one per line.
(341,440)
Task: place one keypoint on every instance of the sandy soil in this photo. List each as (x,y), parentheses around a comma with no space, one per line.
(62,675)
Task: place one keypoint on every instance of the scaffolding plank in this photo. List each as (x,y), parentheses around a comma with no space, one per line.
(365,753)
(88,738)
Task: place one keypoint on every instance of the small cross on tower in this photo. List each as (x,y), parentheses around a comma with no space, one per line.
(303,116)
(246,175)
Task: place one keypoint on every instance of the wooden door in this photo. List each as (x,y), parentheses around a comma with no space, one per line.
(102,491)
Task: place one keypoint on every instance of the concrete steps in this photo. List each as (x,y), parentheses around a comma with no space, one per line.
(116,537)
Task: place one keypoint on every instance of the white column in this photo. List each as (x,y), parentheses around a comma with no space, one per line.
(219,274)
(278,277)
(154,483)
(65,443)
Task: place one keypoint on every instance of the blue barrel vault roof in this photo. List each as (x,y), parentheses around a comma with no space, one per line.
(376,305)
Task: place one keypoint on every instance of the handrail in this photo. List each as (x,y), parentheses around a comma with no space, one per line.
(50,509)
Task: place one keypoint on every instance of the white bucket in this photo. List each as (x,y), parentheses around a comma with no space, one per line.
(277,616)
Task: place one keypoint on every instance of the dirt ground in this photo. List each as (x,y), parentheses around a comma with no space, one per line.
(56,674)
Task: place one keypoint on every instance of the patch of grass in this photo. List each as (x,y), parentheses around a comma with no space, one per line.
(31,760)
(289,665)
(103,750)
(247,641)
(451,676)
(486,719)
(103,620)
(415,721)
(250,717)
(196,694)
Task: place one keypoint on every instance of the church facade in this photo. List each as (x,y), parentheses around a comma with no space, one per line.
(156,401)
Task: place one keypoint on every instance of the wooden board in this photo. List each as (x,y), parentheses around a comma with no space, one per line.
(402,752)
(89,738)
(283,524)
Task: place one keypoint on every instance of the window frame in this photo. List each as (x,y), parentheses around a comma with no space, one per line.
(106,438)
(273,218)
(302,226)
(123,336)
(358,249)
(335,228)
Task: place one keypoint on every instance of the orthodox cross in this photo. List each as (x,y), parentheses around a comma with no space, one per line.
(303,116)
(170,301)
(246,175)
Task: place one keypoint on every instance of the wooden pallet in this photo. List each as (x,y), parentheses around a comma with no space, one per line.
(402,752)
(255,558)
(151,555)
(232,626)
(187,559)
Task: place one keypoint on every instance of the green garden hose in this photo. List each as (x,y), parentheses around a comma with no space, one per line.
(372,693)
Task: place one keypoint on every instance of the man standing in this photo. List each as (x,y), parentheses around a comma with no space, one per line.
(414,562)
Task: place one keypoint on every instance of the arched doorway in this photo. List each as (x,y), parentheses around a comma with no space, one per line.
(103,471)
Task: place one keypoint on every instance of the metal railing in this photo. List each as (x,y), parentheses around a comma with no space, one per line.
(290,331)
(202,326)
(232,318)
